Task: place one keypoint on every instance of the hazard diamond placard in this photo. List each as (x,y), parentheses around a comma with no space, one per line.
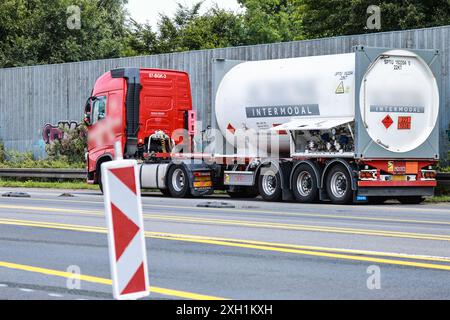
(126,239)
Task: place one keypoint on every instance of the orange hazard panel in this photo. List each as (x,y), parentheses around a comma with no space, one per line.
(404,123)
(412,167)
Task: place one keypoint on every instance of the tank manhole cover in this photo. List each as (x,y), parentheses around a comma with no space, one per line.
(215,205)
(16,195)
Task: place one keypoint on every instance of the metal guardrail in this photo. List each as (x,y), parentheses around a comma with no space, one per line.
(67,174)
(64,174)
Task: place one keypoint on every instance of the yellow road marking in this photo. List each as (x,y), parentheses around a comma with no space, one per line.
(257,245)
(93,279)
(256,224)
(313,215)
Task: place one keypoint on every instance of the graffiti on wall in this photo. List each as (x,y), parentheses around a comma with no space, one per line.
(50,132)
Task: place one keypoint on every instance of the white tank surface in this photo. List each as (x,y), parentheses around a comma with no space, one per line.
(399,101)
(399,97)
(259,95)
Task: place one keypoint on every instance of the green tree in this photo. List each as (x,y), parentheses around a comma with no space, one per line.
(324,18)
(187,30)
(268,21)
(36,31)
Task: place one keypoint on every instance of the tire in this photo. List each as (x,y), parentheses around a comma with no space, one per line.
(178,182)
(269,185)
(338,184)
(411,200)
(99,172)
(100,182)
(165,192)
(304,184)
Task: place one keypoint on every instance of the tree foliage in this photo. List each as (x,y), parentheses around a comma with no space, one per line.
(36,32)
(268,21)
(187,30)
(324,18)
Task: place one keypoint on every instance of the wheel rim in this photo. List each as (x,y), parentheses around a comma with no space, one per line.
(338,184)
(269,183)
(304,184)
(178,180)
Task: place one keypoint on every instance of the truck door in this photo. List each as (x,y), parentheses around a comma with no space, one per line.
(97,145)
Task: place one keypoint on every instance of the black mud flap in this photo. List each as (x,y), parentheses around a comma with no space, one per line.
(200,179)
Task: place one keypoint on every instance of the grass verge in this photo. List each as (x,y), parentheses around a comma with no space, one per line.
(76,184)
(437,199)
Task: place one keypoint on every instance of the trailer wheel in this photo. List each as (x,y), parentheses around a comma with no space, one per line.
(304,184)
(269,185)
(339,185)
(411,200)
(178,182)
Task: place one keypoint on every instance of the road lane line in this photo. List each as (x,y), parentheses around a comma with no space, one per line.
(294,214)
(266,246)
(311,215)
(260,224)
(403,208)
(99,280)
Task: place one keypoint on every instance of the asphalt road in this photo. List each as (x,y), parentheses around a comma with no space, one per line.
(249,250)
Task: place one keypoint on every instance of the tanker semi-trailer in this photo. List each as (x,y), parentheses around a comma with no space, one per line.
(348,127)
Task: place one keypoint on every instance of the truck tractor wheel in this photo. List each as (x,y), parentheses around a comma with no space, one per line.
(411,200)
(100,183)
(339,185)
(269,185)
(304,184)
(165,192)
(178,182)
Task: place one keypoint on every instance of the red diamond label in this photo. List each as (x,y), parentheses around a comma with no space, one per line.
(387,121)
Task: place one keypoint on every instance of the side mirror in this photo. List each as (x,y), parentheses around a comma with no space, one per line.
(88,111)
(87,119)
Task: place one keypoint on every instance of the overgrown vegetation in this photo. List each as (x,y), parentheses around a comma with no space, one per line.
(64,155)
(71,148)
(75,184)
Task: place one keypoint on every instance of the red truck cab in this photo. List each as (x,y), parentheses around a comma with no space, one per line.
(131,105)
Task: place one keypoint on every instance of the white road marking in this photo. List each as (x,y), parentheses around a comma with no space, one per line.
(55,295)
(26,290)
(3,285)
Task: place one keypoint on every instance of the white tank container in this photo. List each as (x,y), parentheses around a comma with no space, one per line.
(259,95)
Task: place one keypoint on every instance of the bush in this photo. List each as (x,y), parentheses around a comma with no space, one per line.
(2,152)
(71,148)
(14,159)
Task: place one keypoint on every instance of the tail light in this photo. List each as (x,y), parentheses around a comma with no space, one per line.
(428,174)
(202,174)
(368,174)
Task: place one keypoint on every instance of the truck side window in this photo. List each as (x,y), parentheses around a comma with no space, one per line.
(98,109)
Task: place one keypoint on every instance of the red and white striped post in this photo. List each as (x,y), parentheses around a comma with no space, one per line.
(126,238)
